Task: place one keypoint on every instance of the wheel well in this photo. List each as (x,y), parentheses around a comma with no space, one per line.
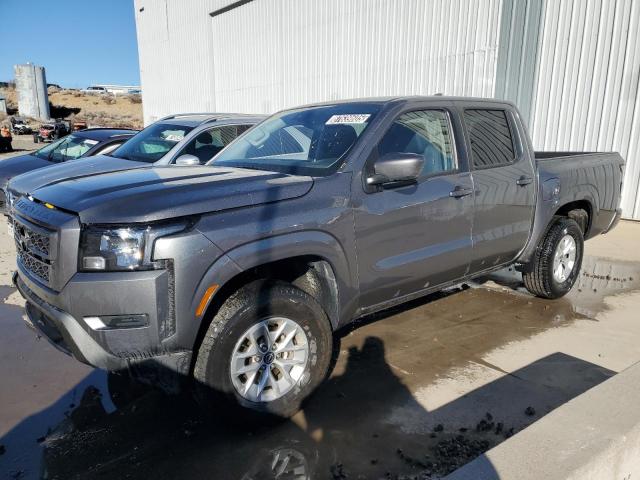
(580,211)
(311,274)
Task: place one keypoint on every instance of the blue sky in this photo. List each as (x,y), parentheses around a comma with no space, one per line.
(78,42)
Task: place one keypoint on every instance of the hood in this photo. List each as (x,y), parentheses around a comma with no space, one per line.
(10,167)
(70,170)
(162,192)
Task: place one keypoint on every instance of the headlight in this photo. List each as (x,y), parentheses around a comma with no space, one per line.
(121,248)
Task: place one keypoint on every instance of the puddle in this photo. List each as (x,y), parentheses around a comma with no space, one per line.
(599,279)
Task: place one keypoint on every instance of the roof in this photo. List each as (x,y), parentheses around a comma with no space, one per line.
(102,134)
(195,119)
(410,98)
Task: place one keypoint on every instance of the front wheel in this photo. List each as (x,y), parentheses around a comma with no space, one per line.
(557,260)
(267,349)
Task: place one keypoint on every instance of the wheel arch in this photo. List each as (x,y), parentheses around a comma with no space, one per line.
(546,214)
(313,261)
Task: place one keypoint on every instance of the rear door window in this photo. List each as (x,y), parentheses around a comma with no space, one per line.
(490,136)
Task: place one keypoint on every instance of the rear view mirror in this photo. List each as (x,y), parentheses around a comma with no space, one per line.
(396,169)
(186,160)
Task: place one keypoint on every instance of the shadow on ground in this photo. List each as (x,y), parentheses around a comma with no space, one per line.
(60,111)
(345,431)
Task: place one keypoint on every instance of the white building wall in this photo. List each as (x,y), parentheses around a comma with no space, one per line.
(174,45)
(270,54)
(586,93)
(265,55)
(274,54)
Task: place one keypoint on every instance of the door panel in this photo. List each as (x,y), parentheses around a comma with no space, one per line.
(504,181)
(416,236)
(412,238)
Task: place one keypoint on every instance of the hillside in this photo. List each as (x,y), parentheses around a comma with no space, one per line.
(96,110)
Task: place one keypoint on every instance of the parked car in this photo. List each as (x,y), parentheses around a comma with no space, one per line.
(201,135)
(87,143)
(95,90)
(19,126)
(238,272)
(51,131)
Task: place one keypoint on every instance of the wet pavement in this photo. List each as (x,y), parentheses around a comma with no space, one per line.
(416,391)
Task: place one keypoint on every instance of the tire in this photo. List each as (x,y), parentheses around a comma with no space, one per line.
(540,279)
(250,306)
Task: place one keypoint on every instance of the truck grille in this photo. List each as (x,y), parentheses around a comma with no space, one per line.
(34,241)
(33,251)
(34,266)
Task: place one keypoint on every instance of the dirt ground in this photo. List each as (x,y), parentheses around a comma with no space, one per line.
(97,110)
(21,145)
(416,392)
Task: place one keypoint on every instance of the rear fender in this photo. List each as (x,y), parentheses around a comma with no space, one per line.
(548,207)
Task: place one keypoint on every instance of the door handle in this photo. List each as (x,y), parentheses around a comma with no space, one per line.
(460,192)
(522,181)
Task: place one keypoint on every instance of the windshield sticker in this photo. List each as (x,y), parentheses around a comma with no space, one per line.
(350,118)
(172,137)
(91,142)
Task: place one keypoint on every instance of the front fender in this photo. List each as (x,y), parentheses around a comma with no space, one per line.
(260,252)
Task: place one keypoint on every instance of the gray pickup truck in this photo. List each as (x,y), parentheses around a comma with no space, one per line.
(237,273)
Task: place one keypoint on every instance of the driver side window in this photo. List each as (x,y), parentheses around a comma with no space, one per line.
(208,143)
(423,132)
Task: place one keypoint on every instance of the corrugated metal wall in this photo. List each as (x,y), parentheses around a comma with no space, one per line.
(273,54)
(572,66)
(517,52)
(175,50)
(586,92)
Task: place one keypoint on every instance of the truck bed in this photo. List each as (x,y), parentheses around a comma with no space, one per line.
(548,155)
(596,176)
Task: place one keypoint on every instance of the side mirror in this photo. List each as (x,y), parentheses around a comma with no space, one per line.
(396,169)
(187,160)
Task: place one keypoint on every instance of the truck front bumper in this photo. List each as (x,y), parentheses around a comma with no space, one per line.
(111,349)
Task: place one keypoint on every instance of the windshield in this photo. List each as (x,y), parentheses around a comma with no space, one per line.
(67,148)
(152,143)
(308,141)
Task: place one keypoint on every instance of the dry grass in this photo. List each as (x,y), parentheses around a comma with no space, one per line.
(11,96)
(96,110)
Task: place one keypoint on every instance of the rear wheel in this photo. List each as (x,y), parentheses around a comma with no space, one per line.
(267,349)
(557,261)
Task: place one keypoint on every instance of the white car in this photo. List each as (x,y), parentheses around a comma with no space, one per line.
(95,90)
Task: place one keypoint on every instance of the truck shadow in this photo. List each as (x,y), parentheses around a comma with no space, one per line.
(364,422)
